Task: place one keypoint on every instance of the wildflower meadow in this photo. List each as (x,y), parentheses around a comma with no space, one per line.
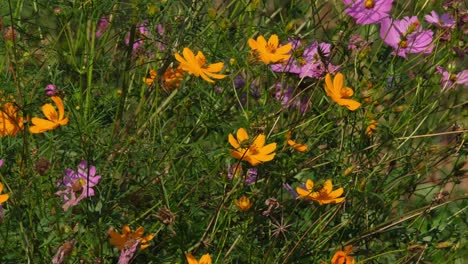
(241,131)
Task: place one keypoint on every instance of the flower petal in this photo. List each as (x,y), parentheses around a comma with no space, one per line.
(273,41)
(242,135)
(234,143)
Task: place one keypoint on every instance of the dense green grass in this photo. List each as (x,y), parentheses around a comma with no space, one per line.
(160,150)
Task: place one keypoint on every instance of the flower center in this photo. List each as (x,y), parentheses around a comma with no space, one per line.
(403,44)
(412,27)
(253,149)
(270,48)
(78,185)
(369,4)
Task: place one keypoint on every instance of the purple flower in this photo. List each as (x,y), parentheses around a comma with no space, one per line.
(81,181)
(127,253)
(251,176)
(443,21)
(406,36)
(313,61)
(285,95)
(1,163)
(369,11)
(449,80)
(141,34)
(357,43)
(102,26)
(290,190)
(50,90)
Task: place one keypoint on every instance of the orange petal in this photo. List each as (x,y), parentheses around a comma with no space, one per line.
(59,103)
(268,148)
(234,143)
(349,103)
(242,135)
(204,77)
(191,259)
(284,49)
(214,75)
(309,184)
(215,67)
(259,141)
(329,89)
(338,81)
(1,187)
(3,198)
(273,41)
(252,44)
(327,186)
(261,42)
(41,125)
(50,112)
(205,259)
(346,92)
(336,193)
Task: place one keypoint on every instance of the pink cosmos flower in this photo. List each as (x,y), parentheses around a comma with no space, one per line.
(102,26)
(312,61)
(141,34)
(449,80)
(369,11)
(442,21)
(406,36)
(127,253)
(50,90)
(81,182)
(285,95)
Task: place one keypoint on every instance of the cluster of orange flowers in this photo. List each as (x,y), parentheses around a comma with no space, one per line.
(11,122)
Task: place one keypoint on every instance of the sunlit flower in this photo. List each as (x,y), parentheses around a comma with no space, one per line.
(54,119)
(441,21)
(371,127)
(253,152)
(196,65)
(128,238)
(340,94)
(270,52)
(450,80)
(152,74)
(243,203)
(205,259)
(324,195)
(406,36)
(369,11)
(3,197)
(343,257)
(81,181)
(292,143)
(10,120)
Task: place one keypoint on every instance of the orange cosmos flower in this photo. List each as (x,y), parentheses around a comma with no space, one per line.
(372,127)
(243,203)
(3,197)
(340,94)
(253,152)
(196,65)
(172,77)
(270,52)
(128,238)
(10,122)
(324,196)
(54,119)
(152,75)
(205,259)
(292,143)
(342,257)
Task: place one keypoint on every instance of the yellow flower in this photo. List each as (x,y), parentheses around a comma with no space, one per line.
(128,238)
(270,52)
(323,196)
(243,203)
(342,257)
(292,143)
(54,119)
(3,197)
(255,152)
(10,122)
(205,259)
(152,75)
(372,127)
(340,94)
(196,65)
